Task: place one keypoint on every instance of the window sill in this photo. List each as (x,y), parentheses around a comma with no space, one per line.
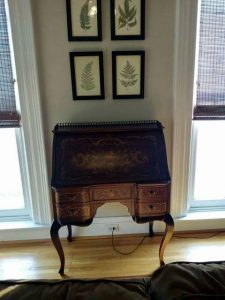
(22,230)
(27,230)
(201,221)
(206,215)
(23,224)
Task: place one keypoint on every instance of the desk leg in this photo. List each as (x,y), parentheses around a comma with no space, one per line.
(151,232)
(69,237)
(167,236)
(54,232)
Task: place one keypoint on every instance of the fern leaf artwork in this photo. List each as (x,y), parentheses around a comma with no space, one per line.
(128,76)
(127,15)
(87,78)
(84,16)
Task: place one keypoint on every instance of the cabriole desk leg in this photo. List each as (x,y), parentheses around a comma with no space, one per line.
(167,236)
(54,232)
(69,237)
(151,233)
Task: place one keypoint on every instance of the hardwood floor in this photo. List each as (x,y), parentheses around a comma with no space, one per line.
(95,258)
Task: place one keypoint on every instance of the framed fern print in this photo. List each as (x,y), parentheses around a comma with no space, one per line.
(84,20)
(87,75)
(128,74)
(127,19)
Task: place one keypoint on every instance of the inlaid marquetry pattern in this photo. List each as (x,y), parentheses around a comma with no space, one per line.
(153,193)
(76,196)
(151,209)
(74,204)
(112,193)
(72,210)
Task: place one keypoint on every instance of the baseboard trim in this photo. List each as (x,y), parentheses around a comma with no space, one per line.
(14,231)
(21,231)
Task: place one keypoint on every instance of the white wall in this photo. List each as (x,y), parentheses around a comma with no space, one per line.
(53,49)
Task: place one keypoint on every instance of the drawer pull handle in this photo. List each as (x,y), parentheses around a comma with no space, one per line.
(152,192)
(151,206)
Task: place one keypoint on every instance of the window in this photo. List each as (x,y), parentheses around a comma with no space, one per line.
(12,200)
(189,135)
(207,188)
(29,137)
(11,193)
(12,197)
(210,62)
(9,116)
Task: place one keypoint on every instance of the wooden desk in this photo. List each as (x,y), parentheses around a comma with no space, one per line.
(98,163)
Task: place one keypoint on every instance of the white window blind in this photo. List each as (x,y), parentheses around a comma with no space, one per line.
(9,117)
(210,93)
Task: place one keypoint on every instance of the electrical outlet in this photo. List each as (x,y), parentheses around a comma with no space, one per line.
(113,227)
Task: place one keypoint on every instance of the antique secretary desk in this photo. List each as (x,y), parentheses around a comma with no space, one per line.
(95,163)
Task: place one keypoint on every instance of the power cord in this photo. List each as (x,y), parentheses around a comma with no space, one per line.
(130,252)
(146,236)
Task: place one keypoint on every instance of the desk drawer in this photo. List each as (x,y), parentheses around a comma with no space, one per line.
(113,192)
(146,210)
(152,193)
(77,195)
(73,212)
(73,204)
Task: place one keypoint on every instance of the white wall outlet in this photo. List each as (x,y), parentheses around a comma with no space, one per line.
(113,227)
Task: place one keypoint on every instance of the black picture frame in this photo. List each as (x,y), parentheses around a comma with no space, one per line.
(83,28)
(121,27)
(87,75)
(128,70)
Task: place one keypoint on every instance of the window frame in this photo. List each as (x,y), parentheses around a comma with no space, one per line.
(198,205)
(184,133)
(20,15)
(24,213)
(184,74)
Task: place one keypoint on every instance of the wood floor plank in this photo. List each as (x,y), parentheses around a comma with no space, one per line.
(95,257)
